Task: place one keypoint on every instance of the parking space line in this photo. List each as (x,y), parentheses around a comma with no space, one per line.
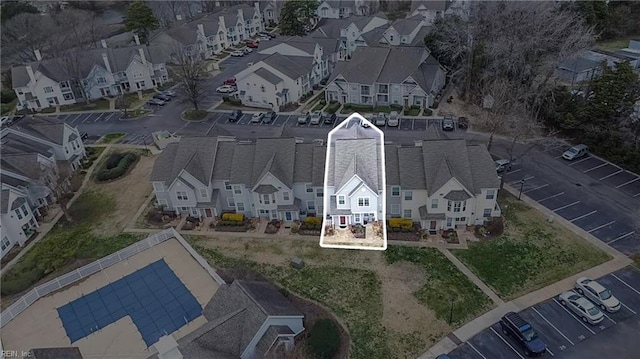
(600,227)
(595,168)
(552,326)
(554,196)
(629,309)
(567,206)
(536,188)
(605,314)
(625,283)
(98,118)
(550,352)
(578,161)
(626,183)
(621,237)
(528,178)
(413,123)
(584,215)
(514,171)
(611,175)
(506,342)
(636,195)
(476,350)
(574,317)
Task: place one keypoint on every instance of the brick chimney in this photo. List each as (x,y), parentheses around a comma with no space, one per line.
(38,55)
(103,42)
(107,66)
(137,39)
(142,57)
(32,77)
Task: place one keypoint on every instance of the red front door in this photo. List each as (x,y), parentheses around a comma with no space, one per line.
(208,213)
(343,220)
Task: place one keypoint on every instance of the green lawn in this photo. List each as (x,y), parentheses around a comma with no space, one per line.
(332,108)
(530,254)
(412,111)
(95,105)
(444,282)
(66,244)
(111,137)
(193,115)
(8,107)
(352,294)
(615,44)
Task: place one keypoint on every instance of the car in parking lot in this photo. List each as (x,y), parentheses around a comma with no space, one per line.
(582,307)
(230,81)
(265,38)
(257,117)
(247,50)
(268,34)
(235,116)
(237,53)
(575,152)
(226,89)
(169,93)
(252,45)
(269,117)
(394,119)
(303,119)
(162,97)
(329,120)
(155,102)
(463,123)
(598,294)
(316,118)
(380,120)
(502,165)
(447,124)
(515,326)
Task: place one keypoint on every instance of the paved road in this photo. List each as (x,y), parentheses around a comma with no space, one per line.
(565,334)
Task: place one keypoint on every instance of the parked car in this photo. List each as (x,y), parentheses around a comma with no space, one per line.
(257,117)
(247,50)
(394,119)
(162,97)
(502,165)
(235,116)
(169,93)
(84,136)
(269,117)
(155,102)
(598,294)
(575,152)
(268,34)
(226,89)
(447,124)
(230,81)
(252,45)
(515,326)
(365,124)
(303,119)
(331,119)
(237,53)
(583,308)
(316,118)
(380,120)
(265,38)
(463,122)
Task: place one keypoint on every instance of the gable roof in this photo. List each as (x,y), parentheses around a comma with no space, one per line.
(15,144)
(408,25)
(23,164)
(412,170)
(276,156)
(43,127)
(195,155)
(186,34)
(291,66)
(268,75)
(337,4)
(359,157)
(430,5)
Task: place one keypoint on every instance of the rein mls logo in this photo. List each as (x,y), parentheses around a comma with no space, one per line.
(14,354)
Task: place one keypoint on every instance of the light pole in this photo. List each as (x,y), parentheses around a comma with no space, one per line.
(144,134)
(451,313)
(521,187)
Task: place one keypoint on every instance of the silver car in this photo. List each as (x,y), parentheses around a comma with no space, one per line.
(257,117)
(598,294)
(582,307)
(394,119)
(316,118)
(381,120)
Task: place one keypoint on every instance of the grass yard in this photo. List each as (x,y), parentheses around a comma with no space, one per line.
(615,44)
(111,137)
(195,115)
(636,259)
(530,254)
(95,105)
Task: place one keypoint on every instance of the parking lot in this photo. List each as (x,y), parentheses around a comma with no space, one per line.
(560,328)
(86,118)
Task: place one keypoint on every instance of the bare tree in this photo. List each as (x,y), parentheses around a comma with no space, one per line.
(25,33)
(190,71)
(78,29)
(56,179)
(167,11)
(122,103)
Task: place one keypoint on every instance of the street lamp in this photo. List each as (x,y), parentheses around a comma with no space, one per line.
(451,313)
(144,140)
(521,187)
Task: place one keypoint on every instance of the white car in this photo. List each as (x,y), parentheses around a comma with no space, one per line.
(226,89)
(598,294)
(394,119)
(247,50)
(237,53)
(316,118)
(257,117)
(582,307)
(264,38)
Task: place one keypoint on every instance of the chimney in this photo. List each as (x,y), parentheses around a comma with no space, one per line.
(137,39)
(221,21)
(106,62)
(32,77)
(241,15)
(167,348)
(142,57)
(257,6)
(38,55)
(201,29)
(103,42)
(178,17)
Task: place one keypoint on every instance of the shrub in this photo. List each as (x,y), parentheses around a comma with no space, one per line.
(237,217)
(313,220)
(7,96)
(113,160)
(23,282)
(427,112)
(400,222)
(324,339)
(120,169)
(395,107)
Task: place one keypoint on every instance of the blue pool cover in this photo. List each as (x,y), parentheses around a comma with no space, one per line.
(154,297)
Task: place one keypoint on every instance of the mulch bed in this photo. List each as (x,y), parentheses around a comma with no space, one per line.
(309,232)
(232,228)
(403,236)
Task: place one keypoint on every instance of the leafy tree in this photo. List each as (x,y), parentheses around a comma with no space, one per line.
(324,339)
(296,16)
(13,8)
(614,94)
(140,20)
(595,13)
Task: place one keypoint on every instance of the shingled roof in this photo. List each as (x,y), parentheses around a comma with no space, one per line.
(44,127)
(195,155)
(430,5)
(275,156)
(291,66)
(356,157)
(408,25)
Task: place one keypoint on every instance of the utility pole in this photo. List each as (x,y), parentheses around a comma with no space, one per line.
(521,187)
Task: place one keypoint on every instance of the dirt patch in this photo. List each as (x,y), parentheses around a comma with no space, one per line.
(129,192)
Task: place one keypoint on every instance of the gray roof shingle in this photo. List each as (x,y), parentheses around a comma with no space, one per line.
(268,75)
(4,201)
(193,154)
(22,164)
(430,5)
(303,169)
(391,165)
(408,25)
(356,157)
(243,154)
(222,168)
(291,66)
(412,170)
(15,144)
(44,127)
(276,156)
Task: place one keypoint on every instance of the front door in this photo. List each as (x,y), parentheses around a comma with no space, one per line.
(433,225)
(343,220)
(287,216)
(208,213)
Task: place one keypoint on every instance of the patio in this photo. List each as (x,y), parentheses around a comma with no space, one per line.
(340,236)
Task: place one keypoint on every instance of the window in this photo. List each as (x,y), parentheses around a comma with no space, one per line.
(68,96)
(434,203)
(356,217)
(18,213)
(309,188)
(158,187)
(311,205)
(363,201)
(407,213)
(182,196)
(231,202)
(101,80)
(5,243)
(285,195)
(227,185)
(204,193)
(457,206)
(320,192)
(395,209)
(383,98)
(266,199)
(390,38)
(64,84)
(240,207)
(364,90)
(48,89)
(461,219)
(383,88)
(262,88)
(237,190)
(491,193)
(395,191)
(486,213)
(408,195)
(341,199)
(162,202)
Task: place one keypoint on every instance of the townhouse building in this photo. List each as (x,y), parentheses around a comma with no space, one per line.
(440,184)
(91,74)
(17,221)
(340,9)
(381,76)
(431,10)
(347,34)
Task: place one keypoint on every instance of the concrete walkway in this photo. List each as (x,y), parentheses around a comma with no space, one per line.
(472,277)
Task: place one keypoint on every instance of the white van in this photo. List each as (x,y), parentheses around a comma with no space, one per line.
(574,152)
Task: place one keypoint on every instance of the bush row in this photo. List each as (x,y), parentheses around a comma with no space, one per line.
(312,227)
(230,224)
(22,282)
(125,162)
(313,220)
(237,217)
(400,222)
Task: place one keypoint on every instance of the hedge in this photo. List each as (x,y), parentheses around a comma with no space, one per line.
(332,107)
(224,223)
(400,222)
(324,339)
(23,282)
(237,217)
(313,220)
(125,162)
